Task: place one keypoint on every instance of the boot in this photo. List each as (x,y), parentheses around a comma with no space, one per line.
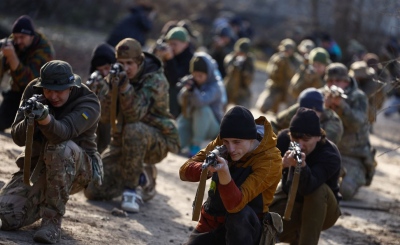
(50,229)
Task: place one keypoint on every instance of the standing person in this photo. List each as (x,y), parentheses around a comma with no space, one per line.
(281,68)
(145,131)
(64,152)
(316,206)
(176,58)
(24,55)
(135,25)
(202,104)
(103,56)
(243,181)
(240,69)
(355,148)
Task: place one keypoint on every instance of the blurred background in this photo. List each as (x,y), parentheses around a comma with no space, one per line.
(77,24)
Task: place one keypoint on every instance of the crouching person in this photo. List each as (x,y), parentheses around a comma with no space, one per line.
(242,182)
(316,201)
(64,154)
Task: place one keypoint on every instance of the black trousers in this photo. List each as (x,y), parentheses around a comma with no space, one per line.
(240,228)
(9,108)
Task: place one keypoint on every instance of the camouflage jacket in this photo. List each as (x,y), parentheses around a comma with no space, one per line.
(31,60)
(329,120)
(239,76)
(304,78)
(76,121)
(281,69)
(375,92)
(146,101)
(354,114)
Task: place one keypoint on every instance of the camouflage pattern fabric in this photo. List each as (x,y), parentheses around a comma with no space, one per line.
(329,120)
(145,133)
(240,72)
(65,169)
(280,70)
(123,160)
(355,141)
(31,60)
(304,78)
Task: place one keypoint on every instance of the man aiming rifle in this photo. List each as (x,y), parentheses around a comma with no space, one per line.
(60,144)
(242,182)
(313,207)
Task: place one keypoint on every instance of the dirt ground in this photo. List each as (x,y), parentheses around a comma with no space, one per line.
(373,217)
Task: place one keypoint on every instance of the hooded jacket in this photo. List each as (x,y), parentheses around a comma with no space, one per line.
(254,179)
(146,101)
(211,93)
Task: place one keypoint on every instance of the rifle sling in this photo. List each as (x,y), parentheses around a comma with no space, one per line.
(28,149)
(198,200)
(114,98)
(292,195)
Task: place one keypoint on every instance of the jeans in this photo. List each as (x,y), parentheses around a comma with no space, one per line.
(201,126)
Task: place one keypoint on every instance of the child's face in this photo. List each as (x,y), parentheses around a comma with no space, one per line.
(199,77)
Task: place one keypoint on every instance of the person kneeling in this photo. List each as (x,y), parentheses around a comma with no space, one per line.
(316,205)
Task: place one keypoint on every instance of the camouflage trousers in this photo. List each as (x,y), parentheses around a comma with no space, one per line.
(355,176)
(65,169)
(271,98)
(319,211)
(124,158)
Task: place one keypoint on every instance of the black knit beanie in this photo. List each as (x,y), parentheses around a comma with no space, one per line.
(198,63)
(103,54)
(24,25)
(238,123)
(305,121)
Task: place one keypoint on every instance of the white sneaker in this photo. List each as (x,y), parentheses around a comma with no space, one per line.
(131,200)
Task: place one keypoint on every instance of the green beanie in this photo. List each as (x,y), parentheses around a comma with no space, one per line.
(242,45)
(198,64)
(319,55)
(178,33)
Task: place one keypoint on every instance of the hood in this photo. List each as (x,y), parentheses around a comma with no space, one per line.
(211,66)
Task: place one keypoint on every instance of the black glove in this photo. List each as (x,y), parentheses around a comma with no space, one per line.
(40,111)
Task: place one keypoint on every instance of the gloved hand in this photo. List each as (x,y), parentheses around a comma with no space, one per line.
(40,111)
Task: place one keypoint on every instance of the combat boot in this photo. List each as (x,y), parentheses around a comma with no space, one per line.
(148,181)
(50,228)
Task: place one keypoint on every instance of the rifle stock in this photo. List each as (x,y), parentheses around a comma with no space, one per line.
(211,160)
(295,147)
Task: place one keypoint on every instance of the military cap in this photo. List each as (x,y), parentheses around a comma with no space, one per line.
(360,70)
(320,55)
(128,48)
(287,44)
(336,71)
(178,33)
(57,75)
(242,45)
(306,46)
